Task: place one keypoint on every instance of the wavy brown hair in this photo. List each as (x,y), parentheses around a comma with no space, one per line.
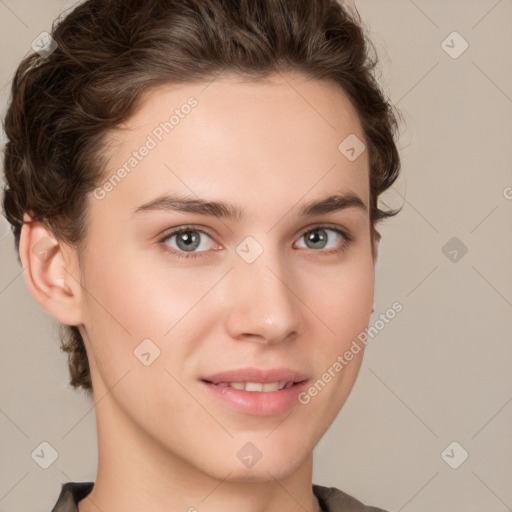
(110,52)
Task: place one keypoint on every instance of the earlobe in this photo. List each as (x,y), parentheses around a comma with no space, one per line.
(47,272)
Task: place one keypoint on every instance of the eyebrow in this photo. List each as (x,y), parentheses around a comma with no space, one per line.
(222,209)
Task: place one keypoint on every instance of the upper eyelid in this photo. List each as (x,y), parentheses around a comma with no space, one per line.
(179,229)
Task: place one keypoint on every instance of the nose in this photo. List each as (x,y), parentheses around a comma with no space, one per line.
(263,305)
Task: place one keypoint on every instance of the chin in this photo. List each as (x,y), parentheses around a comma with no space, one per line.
(261,472)
(255,462)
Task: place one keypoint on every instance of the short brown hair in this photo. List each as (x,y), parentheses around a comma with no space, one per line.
(112,51)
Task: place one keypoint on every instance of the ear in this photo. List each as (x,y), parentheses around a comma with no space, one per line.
(51,272)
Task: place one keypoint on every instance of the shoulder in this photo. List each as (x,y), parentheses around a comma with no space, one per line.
(332,499)
(70,494)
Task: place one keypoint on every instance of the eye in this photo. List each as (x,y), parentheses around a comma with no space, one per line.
(187,240)
(318,238)
(190,242)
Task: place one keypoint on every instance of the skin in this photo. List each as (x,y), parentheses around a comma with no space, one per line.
(164,443)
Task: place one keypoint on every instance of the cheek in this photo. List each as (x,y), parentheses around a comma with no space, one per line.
(121,309)
(352,301)
(137,297)
(343,309)
(129,300)
(343,298)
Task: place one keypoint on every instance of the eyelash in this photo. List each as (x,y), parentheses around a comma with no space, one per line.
(183,255)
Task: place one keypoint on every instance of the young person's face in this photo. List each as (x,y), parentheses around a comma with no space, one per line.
(256,293)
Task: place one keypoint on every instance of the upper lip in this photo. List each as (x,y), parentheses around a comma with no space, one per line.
(257,375)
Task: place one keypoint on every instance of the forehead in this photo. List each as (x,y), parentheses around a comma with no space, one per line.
(272,140)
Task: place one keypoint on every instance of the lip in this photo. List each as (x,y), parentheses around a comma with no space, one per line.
(257,403)
(257,375)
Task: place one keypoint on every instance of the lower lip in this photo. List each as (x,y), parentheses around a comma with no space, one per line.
(258,403)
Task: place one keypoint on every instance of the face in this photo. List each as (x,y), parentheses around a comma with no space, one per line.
(178,293)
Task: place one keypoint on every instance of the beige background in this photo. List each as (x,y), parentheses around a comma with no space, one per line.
(439,372)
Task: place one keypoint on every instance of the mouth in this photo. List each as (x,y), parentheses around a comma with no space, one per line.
(256,392)
(257,379)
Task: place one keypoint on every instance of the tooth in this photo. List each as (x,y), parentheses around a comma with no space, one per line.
(253,386)
(258,386)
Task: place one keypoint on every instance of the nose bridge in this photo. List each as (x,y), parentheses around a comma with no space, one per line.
(263,300)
